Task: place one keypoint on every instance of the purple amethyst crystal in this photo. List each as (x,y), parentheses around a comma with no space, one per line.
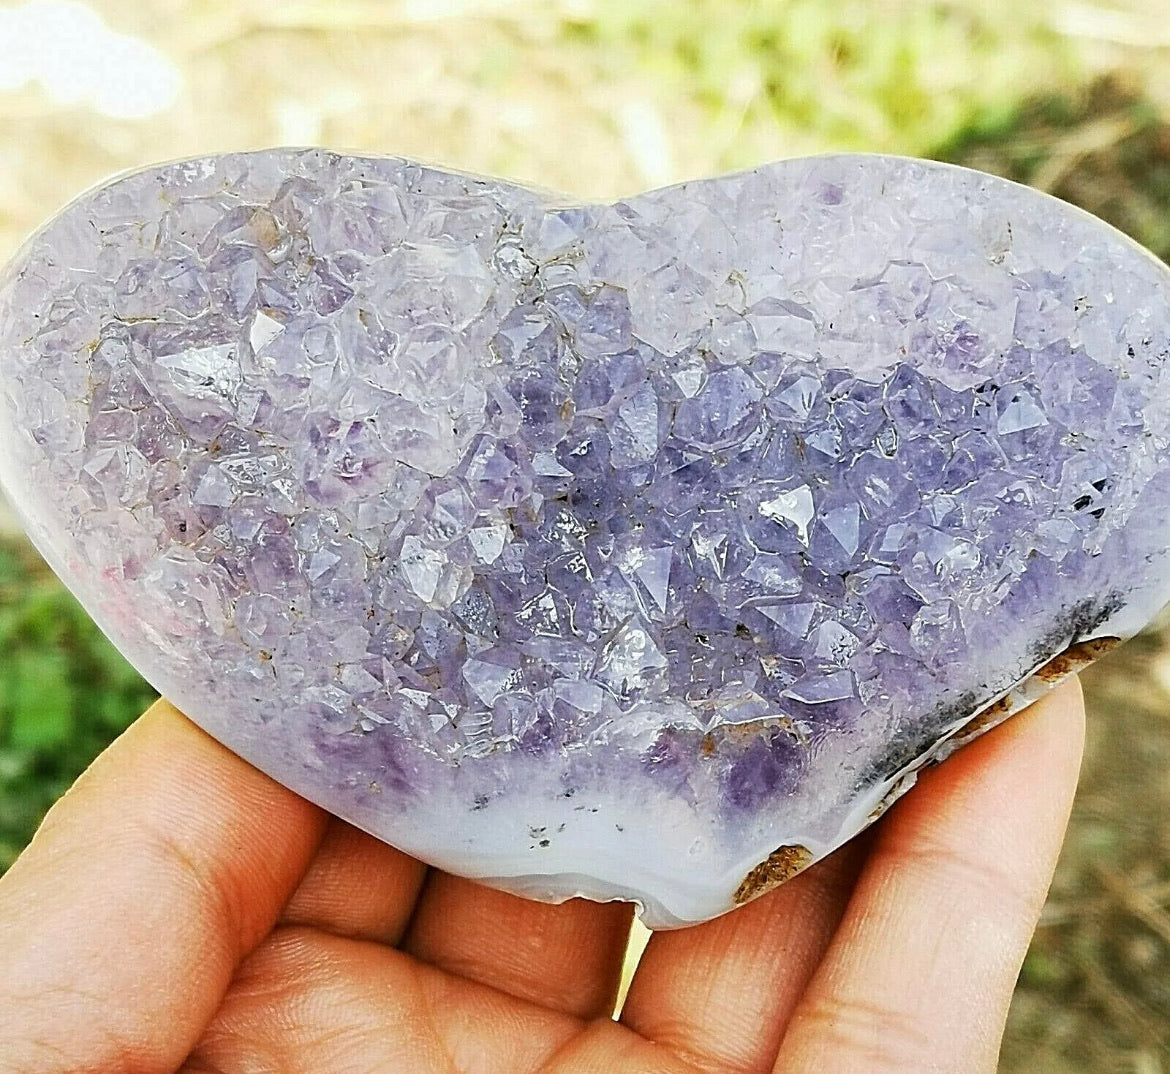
(637,551)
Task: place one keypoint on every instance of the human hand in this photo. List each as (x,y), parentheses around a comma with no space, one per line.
(179,911)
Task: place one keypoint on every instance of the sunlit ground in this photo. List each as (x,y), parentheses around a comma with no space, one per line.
(65,51)
(600,98)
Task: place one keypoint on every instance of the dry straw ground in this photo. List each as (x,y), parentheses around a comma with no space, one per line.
(601,97)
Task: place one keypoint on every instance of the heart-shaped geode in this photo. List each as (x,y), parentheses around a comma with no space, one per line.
(642,550)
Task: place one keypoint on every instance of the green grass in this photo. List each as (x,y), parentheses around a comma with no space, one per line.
(890,76)
(65,691)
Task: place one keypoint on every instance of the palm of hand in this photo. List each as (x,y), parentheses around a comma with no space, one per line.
(148,929)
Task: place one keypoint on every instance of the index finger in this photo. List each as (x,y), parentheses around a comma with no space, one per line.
(122,923)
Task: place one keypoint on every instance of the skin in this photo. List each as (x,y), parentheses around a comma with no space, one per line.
(179,911)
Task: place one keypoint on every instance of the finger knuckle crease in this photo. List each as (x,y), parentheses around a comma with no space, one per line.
(879,1034)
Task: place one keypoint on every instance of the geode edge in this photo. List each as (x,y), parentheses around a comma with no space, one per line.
(642,550)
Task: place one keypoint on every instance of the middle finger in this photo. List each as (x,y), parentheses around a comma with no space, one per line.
(568,958)
(721,993)
(357,887)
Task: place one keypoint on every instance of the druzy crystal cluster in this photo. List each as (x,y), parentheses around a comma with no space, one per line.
(641,550)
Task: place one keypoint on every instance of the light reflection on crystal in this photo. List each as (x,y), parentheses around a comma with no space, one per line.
(794,507)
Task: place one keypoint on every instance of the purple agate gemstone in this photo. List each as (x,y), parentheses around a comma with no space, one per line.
(638,551)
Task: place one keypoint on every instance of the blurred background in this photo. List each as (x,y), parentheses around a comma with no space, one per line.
(601,98)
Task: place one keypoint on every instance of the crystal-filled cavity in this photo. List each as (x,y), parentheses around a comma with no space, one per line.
(642,550)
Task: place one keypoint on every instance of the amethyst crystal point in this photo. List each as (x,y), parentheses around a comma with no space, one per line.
(635,551)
